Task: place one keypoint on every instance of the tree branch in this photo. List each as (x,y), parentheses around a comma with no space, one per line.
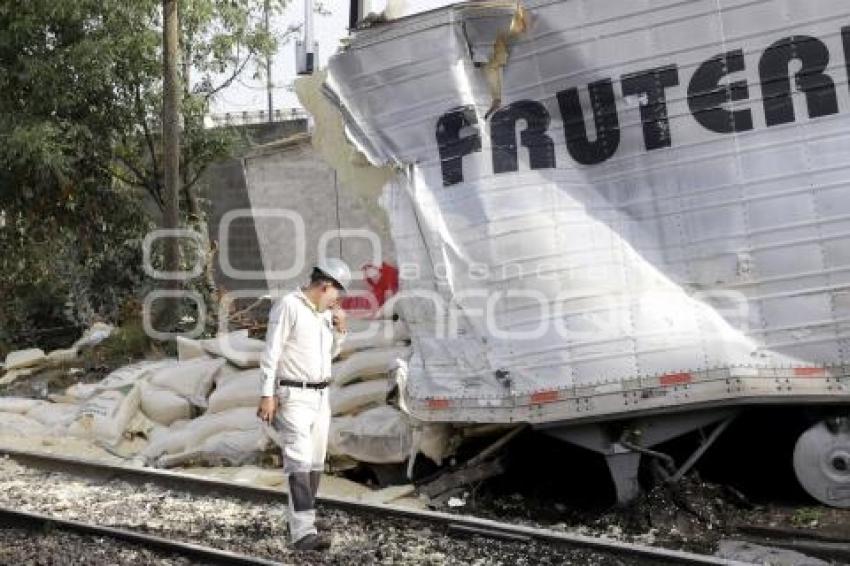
(236,72)
(198,174)
(133,169)
(148,137)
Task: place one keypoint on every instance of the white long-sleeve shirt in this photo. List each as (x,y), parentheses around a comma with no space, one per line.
(300,342)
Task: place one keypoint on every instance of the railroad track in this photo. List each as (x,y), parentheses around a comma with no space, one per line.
(458,525)
(813,543)
(205,554)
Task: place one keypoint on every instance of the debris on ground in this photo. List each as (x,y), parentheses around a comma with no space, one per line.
(751,553)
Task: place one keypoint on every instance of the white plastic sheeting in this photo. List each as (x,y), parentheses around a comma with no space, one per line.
(614,218)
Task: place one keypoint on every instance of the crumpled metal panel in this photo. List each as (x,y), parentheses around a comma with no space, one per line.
(674,225)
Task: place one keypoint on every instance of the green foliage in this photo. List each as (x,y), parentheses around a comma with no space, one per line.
(806,517)
(80,101)
(126,344)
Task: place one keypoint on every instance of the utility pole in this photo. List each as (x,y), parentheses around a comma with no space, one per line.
(266,10)
(170,149)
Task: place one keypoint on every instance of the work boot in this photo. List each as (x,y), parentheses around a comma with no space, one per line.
(312,541)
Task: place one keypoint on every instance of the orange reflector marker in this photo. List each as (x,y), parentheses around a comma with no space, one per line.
(438,404)
(544,396)
(675,378)
(809,372)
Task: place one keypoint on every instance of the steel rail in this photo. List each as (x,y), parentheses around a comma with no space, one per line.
(38,521)
(457,523)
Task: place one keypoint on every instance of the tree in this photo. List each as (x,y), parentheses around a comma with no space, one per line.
(80,93)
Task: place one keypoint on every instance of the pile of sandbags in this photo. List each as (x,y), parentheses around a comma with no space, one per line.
(201,407)
(21,363)
(364,426)
(380,432)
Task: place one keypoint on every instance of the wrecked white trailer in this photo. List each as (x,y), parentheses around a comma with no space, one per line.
(629,213)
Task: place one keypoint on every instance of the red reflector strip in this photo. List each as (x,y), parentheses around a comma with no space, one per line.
(437,404)
(675,378)
(809,372)
(544,396)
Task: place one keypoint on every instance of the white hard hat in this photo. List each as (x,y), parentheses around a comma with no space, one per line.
(336,269)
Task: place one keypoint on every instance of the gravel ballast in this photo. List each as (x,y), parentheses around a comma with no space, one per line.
(21,546)
(258,529)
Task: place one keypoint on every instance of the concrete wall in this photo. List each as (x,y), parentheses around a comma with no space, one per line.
(287,178)
(224,188)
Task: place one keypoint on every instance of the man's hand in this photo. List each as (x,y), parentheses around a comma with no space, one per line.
(338,318)
(267,408)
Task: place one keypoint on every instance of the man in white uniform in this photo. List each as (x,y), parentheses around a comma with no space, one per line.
(305,332)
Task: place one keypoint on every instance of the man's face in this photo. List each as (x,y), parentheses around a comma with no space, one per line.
(328,297)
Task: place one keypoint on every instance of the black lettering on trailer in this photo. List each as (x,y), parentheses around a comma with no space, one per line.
(845,36)
(458,134)
(810,79)
(604,117)
(706,97)
(541,149)
(452,146)
(653,111)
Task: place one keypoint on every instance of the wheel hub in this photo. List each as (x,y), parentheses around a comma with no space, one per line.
(822,464)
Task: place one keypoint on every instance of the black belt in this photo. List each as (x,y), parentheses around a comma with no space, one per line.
(293,383)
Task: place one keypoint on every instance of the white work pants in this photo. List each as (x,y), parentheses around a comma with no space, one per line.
(302,419)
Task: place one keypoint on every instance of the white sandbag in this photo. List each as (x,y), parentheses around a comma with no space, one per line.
(79,392)
(13,424)
(163,406)
(367,363)
(140,426)
(358,396)
(105,416)
(236,389)
(192,379)
(188,349)
(62,356)
(380,436)
(97,333)
(24,358)
(184,435)
(12,375)
(433,440)
(121,377)
(237,347)
(374,334)
(54,416)
(228,448)
(18,405)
